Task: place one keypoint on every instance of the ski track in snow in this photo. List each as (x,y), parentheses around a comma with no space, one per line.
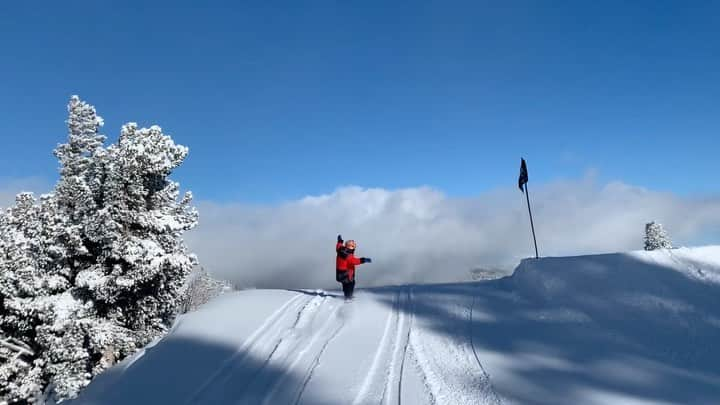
(373,375)
(224,372)
(402,342)
(380,387)
(487,388)
(449,367)
(316,363)
(282,351)
(289,341)
(275,364)
(302,354)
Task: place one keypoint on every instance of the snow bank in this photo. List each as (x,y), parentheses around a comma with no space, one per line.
(574,279)
(638,327)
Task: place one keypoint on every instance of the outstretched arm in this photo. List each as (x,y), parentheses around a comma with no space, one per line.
(359,260)
(339,243)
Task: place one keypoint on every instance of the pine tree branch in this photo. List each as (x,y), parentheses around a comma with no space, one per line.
(16,346)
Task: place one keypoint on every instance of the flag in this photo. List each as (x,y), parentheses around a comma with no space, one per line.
(523,174)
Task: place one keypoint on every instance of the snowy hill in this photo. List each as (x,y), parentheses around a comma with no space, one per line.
(635,328)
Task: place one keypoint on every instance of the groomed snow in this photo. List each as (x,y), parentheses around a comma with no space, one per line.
(635,328)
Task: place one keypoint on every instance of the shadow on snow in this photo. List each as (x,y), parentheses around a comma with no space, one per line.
(592,333)
(181,370)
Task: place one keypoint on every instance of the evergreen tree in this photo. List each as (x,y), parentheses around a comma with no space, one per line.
(94,271)
(656,237)
(200,289)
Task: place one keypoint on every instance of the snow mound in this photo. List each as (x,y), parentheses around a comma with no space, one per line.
(574,279)
(630,328)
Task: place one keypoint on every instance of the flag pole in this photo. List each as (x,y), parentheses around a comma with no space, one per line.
(532,226)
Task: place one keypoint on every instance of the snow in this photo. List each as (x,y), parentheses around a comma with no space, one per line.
(64,305)
(90,279)
(625,328)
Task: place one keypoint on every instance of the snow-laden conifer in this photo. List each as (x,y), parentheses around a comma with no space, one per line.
(656,237)
(93,271)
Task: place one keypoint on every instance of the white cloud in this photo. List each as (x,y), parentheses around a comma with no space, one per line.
(421,235)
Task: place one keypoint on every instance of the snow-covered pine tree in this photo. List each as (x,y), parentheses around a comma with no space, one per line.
(656,237)
(140,260)
(94,271)
(19,378)
(200,288)
(31,282)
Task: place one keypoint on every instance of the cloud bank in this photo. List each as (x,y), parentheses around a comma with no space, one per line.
(419,235)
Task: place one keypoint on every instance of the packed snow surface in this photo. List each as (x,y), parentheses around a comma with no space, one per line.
(634,328)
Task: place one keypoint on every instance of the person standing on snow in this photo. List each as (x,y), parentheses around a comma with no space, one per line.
(345,265)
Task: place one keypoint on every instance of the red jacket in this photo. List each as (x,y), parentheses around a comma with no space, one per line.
(346,261)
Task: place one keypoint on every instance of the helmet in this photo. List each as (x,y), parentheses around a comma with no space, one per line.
(350,244)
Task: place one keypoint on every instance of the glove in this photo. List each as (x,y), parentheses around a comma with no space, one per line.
(340,239)
(365,260)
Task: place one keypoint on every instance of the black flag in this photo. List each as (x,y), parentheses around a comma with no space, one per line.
(523,174)
(522,181)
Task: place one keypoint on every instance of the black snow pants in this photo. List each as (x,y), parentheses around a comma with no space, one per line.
(348,286)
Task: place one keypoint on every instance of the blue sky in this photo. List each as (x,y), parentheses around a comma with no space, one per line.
(278,101)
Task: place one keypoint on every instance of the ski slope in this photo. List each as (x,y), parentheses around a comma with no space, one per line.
(634,328)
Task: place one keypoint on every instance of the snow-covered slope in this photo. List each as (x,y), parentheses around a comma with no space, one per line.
(633,328)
